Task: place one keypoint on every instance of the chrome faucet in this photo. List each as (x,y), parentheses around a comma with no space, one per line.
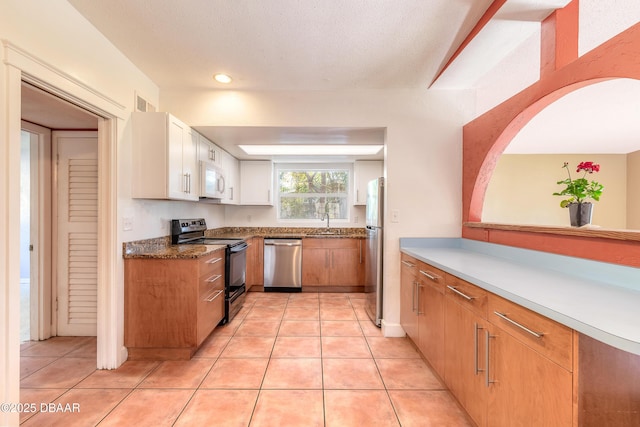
(326,215)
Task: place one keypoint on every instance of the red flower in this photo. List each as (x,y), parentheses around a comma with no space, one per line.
(588,167)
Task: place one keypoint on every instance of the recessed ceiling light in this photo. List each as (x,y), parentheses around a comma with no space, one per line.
(222,78)
(311,150)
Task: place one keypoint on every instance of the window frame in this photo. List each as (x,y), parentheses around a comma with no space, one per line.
(285,166)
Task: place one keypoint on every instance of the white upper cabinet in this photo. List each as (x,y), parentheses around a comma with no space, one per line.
(165,162)
(256,182)
(364,171)
(208,151)
(231,168)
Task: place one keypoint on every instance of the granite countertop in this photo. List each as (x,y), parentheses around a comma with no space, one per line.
(598,299)
(162,248)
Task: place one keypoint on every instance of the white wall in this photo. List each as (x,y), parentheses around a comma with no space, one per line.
(423,152)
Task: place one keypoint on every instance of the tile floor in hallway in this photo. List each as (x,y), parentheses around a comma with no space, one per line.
(286,360)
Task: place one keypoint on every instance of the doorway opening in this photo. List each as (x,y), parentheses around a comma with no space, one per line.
(54,269)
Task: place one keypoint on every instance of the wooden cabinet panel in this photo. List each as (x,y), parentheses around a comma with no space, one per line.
(315,266)
(555,341)
(172,305)
(422,308)
(525,388)
(345,267)
(255,262)
(465,358)
(467,294)
(332,262)
(431,285)
(408,285)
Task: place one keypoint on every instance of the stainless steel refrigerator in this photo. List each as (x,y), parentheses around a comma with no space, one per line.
(373,250)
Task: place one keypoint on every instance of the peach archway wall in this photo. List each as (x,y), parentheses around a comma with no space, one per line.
(486,137)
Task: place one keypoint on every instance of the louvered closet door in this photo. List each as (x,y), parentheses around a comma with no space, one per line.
(77,238)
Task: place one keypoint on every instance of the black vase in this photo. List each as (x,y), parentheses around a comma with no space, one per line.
(580,213)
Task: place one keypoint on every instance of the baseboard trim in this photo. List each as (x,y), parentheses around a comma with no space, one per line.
(392,330)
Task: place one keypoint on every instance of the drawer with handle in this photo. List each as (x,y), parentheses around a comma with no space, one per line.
(211,264)
(549,338)
(467,294)
(431,276)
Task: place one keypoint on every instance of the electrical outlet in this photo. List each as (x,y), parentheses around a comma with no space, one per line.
(355,219)
(127,223)
(395,215)
(248,218)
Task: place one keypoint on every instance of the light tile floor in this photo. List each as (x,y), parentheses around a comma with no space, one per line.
(286,360)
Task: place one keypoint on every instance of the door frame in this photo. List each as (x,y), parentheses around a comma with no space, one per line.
(41,232)
(19,66)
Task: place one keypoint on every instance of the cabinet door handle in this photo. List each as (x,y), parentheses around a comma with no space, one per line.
(488,380)
(231,191)
(430,276)
(413,297)
(214,260)
(476,350)
(268,195)
(519,325)
(408,264)
(465,296)
(213,278)
(213,296)
(326,260)
(357,195)
(418,293)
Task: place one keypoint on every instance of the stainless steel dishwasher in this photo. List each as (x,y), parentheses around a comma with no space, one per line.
(282,265)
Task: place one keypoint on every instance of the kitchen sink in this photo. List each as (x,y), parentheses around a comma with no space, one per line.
(324,233)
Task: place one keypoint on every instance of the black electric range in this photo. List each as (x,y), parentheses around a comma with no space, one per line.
(192,232)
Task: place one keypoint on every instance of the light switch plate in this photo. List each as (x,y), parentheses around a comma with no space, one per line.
(395,215)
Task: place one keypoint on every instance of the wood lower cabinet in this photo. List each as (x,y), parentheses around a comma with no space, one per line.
(530,378)
(255,262)
(430,294)
(464,349)
(332,262)
(172,305)
(506,365)
(408,288)
(422,308)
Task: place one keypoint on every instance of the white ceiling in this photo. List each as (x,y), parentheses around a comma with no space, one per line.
(331,45)
(287,44)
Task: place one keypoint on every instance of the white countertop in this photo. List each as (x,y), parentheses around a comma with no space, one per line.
(598,299)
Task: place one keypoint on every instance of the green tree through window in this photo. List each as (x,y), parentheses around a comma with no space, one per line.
(311,193)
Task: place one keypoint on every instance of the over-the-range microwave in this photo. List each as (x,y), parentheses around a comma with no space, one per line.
(212,184)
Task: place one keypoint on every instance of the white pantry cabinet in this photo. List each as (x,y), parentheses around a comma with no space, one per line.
(165,162)
(364,171)
(256,182)
(231,169)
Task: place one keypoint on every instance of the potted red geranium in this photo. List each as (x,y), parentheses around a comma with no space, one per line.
(579,190)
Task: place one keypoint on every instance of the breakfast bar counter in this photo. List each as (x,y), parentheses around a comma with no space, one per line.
(597,299)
